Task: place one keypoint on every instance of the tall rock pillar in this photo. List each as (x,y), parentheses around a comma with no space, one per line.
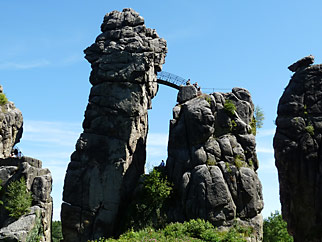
(298,151)
(110,153)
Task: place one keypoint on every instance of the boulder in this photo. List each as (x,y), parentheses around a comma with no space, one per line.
(186,93)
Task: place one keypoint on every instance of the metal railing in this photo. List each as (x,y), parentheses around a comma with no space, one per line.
(169,77)
(175,81)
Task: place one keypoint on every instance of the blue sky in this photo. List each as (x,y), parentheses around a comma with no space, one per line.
(220,44)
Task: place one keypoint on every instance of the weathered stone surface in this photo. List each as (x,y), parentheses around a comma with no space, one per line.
(25,228)
(297,145)
(110,153)
(212,161)
(186,93)
(302,63)
(39,183)
(11,122)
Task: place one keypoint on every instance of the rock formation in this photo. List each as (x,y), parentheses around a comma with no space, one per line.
(10,126)
(110,153)
(212,159)
(37,223)
(298,157)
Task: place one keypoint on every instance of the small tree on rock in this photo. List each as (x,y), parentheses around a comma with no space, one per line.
(18,198)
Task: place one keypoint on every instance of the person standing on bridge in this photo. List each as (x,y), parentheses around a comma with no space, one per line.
(188,82)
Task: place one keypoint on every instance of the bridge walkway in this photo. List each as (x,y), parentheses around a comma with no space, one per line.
(174,81)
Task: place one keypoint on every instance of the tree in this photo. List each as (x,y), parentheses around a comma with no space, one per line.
(18,198)
(258,120)
(147,209)
(56,232)
(275,229)
(259,117)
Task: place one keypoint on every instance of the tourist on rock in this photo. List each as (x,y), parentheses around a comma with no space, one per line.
(162,164)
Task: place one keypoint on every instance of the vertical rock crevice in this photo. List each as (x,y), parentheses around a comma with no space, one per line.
(110,153)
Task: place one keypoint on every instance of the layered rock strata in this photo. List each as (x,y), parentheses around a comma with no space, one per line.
(297,145)
(10,126)
(110,153)
(35,225)
(212,160)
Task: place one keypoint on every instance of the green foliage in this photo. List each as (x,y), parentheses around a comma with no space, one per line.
(258,120)
(253,126)
(305,110)
(310,129)
(208,98)
(228,167)
(3,99)
(148,208)
(239,162)
(1,202)
(156,186)
(229,107)
(211,162)
(259,117)
(275,229)
(56,231)
(18,198)
(37,233)
(194,230)
(233,124)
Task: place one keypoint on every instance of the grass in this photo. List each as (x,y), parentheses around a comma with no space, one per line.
(194,230)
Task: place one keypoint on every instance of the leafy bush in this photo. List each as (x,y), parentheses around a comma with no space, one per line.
(18,198)
(194,230)
(275,229)
(56,231)
(310,129)
(229,107)
(148,208)
(3,99)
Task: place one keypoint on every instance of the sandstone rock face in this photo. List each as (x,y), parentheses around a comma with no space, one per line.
(110,153)
(37,223)
(297,145)
(212,161)
(10,127)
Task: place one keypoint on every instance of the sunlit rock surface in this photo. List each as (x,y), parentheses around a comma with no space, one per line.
(212,160)
(110,153)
